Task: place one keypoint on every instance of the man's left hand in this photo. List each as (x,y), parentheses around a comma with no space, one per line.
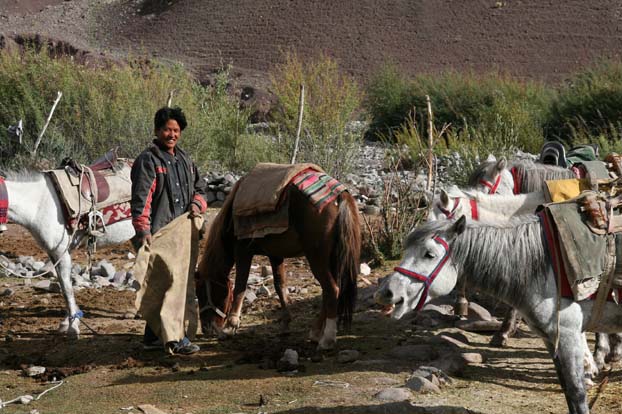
(194,211)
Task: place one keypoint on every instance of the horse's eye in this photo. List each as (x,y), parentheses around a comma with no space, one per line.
(430,255)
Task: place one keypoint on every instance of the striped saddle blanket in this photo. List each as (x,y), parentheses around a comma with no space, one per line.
(320,188)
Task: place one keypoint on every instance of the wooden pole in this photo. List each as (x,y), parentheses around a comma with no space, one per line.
(301,107)
(430,144)
(59,94)
(169,101)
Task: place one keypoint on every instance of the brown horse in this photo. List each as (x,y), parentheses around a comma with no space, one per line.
(329,239)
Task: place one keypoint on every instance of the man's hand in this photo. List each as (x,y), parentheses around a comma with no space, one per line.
(146,240)
(138,242)
(194,211)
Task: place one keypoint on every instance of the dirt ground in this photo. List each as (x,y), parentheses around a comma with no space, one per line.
(108,372)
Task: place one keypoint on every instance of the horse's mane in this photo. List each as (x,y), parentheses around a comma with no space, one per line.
(532,174)
(503,258)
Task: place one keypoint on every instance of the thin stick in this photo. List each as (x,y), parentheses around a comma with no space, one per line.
(430,144)
(169,101)
(301,107)
(59,94)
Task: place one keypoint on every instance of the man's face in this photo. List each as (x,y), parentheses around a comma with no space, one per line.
(168,135)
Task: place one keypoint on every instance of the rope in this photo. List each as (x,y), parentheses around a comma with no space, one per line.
(25,399)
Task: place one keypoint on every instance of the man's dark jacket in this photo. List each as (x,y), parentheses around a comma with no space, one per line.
(152,201)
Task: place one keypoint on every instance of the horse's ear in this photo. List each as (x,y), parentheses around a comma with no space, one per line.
(458,227)
(502,164)
(444,197)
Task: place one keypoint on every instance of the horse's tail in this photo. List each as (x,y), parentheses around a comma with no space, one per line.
(218,259)
(346,257)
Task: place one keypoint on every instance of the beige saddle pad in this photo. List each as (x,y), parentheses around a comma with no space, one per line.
(107,186)
(260,190)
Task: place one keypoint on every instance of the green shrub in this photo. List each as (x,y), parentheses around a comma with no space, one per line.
(331,102)
(496,106)
(102,108)
(588,106)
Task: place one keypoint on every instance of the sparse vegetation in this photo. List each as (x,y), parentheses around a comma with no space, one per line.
(331,102)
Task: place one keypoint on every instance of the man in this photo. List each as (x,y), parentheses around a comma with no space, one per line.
(165,185)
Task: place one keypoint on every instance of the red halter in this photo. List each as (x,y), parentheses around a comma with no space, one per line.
(427,280)
(452,213)
(493,187)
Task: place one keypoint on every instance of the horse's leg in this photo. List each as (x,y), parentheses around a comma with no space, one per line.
(461,307)
(71,323)
(507,330)
(242,269)
(589,364)
(602,350)
(320,266)
(280,285)
(569,366)
(616,351)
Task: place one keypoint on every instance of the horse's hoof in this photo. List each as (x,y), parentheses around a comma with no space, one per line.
(499,341)
(326,344)
(588,383)
(63,326)
(315,336)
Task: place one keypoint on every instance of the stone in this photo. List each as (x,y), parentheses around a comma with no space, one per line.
(34,371)
(479,326)
(348,355)
(422,385)
(107,269)
(289,361)
(473,358)
(266,271)
(453,338)
(101,281)
(220,196)
(421,352)
(43,285)
(394,394)
(432,374)
(131,256)
(250,296)
(8,292)
(372,210)
(453,365)
(365,269)
(150,409)
(264,291)
(477,311)
(120,276)
(211,197)
(37,265)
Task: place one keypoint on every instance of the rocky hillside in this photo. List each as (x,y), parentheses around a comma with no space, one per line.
(526,38)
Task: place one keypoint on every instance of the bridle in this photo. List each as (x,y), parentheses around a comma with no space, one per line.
(427,280)
(494,186)
(450,214)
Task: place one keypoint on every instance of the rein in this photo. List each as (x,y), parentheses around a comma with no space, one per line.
(427,280)
(210,305)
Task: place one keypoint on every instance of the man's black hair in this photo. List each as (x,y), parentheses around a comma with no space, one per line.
(165,114)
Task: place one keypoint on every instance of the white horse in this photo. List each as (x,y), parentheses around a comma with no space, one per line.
(498,209)
(508,261)
(35,205)
(502,177)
